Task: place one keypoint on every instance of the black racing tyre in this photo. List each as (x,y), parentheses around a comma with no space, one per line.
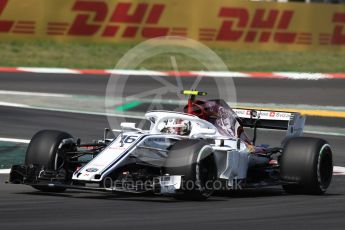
(306,165)
(194,159)
(42,151)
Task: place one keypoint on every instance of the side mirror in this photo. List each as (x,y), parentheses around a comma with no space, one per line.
(203,133)
(129,126)
(207,131)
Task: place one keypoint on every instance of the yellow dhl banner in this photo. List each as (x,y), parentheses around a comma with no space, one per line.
(221,23)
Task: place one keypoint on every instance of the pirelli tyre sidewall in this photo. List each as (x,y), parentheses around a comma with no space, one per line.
(194,160)
(306,165)
(42,151)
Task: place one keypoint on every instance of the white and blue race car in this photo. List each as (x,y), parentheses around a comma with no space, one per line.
(187,155)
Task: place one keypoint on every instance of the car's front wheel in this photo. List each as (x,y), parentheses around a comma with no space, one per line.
(43,152)
(194,160)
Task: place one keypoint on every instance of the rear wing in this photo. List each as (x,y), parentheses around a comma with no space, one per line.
(292,122)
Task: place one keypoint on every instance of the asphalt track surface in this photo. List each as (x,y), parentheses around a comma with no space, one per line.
(21,207)
(249,90)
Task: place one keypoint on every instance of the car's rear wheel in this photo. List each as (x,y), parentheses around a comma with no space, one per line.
(306,165)
(42,151)
(194,159)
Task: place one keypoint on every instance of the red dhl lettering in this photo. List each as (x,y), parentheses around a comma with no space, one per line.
(5,26)
(262,23)
(82,24)
(338,37)
(92,16)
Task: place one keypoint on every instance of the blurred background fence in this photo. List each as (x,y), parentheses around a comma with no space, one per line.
(250,25)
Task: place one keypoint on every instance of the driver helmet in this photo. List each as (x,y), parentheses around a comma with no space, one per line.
(177,127)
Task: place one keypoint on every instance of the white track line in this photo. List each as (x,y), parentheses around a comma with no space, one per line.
(231,74)
(48,70)
(14,140)
(23,93)
(5,171)
(338,171)
(304,76)
(124,115)
(9,104)
(220,74)
(72,111)
(136,72)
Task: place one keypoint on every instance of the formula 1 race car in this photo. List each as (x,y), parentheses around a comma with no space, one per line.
(187,155)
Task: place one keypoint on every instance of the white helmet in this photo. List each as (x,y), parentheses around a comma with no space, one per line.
(177,127)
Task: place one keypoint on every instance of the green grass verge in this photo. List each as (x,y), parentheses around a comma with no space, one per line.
(11,153)
(105,56)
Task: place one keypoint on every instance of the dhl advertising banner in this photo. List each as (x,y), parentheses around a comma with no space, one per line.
(217,23)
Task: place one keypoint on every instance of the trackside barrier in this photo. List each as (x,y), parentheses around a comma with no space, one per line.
(222,23)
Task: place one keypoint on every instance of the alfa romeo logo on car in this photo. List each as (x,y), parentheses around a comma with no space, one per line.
(91,170)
